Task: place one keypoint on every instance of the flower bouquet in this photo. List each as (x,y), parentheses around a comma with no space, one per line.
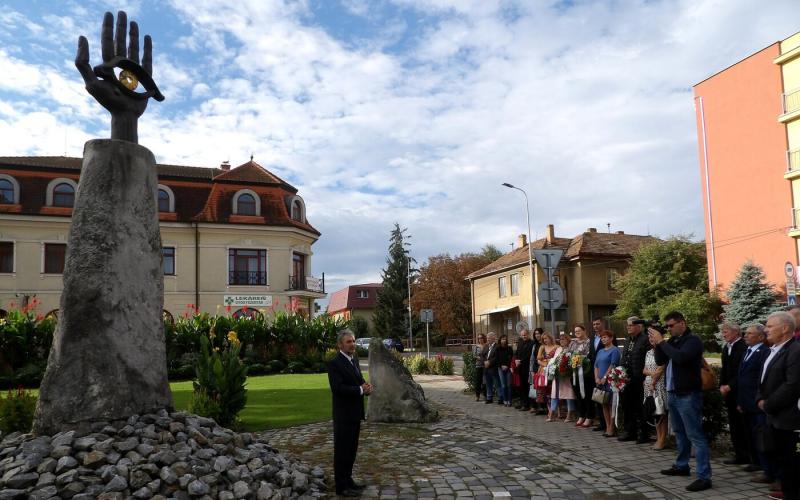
(563,367)
(617,378)
(579,360)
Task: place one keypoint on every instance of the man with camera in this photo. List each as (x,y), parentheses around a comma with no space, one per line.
(683,356)
(633,395)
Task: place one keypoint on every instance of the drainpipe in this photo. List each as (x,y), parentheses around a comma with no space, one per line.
(196,266)
(708,193)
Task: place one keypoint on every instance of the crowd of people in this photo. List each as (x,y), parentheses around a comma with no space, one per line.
(653,387)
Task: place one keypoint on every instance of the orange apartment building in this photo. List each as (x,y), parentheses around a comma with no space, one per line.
(748,130)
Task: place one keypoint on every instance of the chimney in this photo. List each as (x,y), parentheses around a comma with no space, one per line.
(620,232)
(226,165)
(592,230)
(550,233)
(522,240)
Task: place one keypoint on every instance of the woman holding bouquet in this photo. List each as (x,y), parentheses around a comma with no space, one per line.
(562,382)
(582,377)
(607,358)
(504,354)
(543,357)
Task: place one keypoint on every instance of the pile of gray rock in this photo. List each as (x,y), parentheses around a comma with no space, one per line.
(161,455)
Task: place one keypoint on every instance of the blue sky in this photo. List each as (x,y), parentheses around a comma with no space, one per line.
(412,111)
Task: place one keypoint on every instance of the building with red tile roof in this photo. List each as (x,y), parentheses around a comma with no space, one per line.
(355,301)
(232,237)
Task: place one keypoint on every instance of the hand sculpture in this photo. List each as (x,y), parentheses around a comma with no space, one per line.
(117,93)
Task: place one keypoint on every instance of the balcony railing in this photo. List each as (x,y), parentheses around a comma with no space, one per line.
(309,283)
(793,161)
(795,219)
(247,277)
(791,101)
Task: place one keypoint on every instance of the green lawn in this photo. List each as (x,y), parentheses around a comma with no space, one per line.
(275,400)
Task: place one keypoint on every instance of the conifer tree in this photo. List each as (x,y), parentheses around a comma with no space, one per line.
(391,312)
(751,298)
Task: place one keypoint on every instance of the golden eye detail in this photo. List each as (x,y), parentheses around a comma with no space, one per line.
(128,79)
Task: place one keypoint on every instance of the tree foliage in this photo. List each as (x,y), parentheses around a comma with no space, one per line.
(751,298)
(491,252)
(391,315)
(670,275)
(442,287)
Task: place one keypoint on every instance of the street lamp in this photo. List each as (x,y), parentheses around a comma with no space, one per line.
(530,253)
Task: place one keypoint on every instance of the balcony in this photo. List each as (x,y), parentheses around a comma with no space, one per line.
(792,164)
(307,283)
(247,278)
(791,106)
(794,230)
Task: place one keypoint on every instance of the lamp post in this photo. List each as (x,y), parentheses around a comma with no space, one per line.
(530,254)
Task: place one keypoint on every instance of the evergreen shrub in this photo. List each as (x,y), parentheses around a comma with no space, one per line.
(16,411)
(468,371)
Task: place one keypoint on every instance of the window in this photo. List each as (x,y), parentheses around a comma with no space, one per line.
(297,210)
(163,201)
(501,283)
(246,202)
(54,255)
(612,275)
(362,294)
(63,195)
(168,260)
(6,257)
(6,192)
(247,267)
(515,284)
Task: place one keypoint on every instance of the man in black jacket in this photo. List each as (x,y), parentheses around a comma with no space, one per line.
(633,395)
(748,381)
(523,355)
(732,355)
(489,355)
(683,356)
(777,397)
(348,388)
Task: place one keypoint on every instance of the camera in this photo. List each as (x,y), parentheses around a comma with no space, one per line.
(654,323)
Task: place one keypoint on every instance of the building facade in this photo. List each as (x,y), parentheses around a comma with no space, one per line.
(233,239)
(355,301)
(748,128)
(592,261)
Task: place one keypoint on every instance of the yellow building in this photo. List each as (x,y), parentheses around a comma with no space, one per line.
(355,301)
(592,261)
(233,239)
(789,63)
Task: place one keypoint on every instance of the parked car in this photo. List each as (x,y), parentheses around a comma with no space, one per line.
(395,344)
(363,342)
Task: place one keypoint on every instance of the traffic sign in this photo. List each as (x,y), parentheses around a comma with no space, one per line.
(551,295)
(788,269)
(792,300)
(548,258)
(426,315)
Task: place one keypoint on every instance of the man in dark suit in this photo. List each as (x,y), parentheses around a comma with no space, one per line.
(748,382)
(598,325)
(636,427)
(523,354)
(732,355)
(777,396)
(490,367)
(348,388)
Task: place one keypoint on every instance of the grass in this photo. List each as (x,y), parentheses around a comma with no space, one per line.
(275,400)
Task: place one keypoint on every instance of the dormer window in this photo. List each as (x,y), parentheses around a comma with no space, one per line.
(166,199)
(8,193)
(246,202)
(297,209)
(362,294)
(63,195)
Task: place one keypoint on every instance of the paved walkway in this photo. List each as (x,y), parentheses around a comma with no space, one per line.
(488,451)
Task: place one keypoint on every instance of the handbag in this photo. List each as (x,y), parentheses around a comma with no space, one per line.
(709,380)
(600,396)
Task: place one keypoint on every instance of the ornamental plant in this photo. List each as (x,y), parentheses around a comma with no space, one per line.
(16,411)
(442,365)
(221,377)
(468,370)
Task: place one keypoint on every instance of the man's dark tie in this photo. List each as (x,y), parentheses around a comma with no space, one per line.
(354,361)
(749,352)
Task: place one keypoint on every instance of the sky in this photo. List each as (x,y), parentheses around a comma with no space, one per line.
(409,111)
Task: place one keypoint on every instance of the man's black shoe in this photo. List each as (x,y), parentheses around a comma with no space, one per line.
(735,461)
(626,437)
(524,408)
(599,429)
(752,468)
(643,440)
(488,401)
(350,493)
(674,471)
(699,485)
(357,486)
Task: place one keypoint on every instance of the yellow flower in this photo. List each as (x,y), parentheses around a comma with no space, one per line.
(233,338)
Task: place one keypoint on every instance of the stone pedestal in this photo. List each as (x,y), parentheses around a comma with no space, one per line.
(108,359)
(395,397)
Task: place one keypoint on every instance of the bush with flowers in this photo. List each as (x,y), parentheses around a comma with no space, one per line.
(25,339)
(221,377)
